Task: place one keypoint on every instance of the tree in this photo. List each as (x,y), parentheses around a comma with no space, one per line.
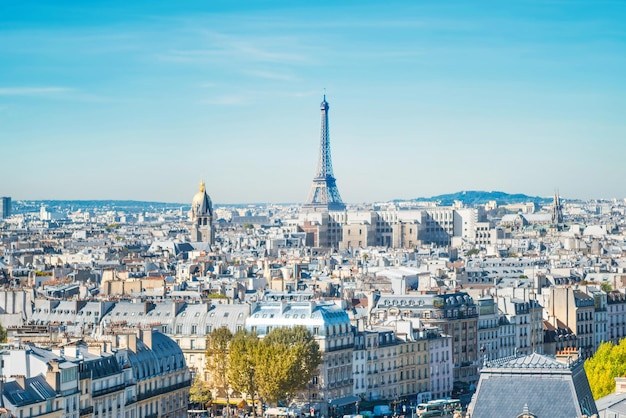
(242,361)
(3,334)
(217,358)
(608,362)
(286,362)
(606,286)
(473,251)
(200,392)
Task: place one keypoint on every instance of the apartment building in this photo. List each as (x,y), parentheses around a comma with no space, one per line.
(454,314)
(330,325)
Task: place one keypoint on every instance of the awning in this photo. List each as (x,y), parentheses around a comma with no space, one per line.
(222,401)
(344,401)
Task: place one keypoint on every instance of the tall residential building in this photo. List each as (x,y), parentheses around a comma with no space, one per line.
(600,315)
(391,362)
(125,374)
(440,356)
(526,317)
(576,310)
(454,314)
(5,209)
(488,324)
(324,194)
(616,316)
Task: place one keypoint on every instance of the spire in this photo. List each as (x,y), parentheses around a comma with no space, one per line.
(202,186)
(557,209)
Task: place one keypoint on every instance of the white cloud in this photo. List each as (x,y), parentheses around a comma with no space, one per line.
(33,91)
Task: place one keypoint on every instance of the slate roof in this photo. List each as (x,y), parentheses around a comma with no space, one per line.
(37,390)
(614,403)
(548,387)
(164,357)
(312,315)
(181,319)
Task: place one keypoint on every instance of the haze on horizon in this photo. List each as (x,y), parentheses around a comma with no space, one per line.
(141,101)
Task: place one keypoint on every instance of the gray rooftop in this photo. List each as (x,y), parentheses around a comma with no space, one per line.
(547,387)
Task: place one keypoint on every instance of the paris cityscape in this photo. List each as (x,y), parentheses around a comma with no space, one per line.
(188,228)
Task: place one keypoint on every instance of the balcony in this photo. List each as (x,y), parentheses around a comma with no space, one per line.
(86,411)
(106,391)
(159,391)
(340,347)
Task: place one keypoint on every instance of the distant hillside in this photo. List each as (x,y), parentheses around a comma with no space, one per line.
(73,205)
(132,206)
(474,197)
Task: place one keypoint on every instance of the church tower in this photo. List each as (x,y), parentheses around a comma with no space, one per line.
(201,216)
(557,209)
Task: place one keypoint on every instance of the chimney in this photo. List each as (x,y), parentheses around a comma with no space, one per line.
(53,375)
(177,306)
(71,351)
(94,349)
(20,379)
(146,336)
(567,355)
(131,342)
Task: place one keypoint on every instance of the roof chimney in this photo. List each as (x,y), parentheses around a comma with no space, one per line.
(131,342)
(146,336)
(20,379)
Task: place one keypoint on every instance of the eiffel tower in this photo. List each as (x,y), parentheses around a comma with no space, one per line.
(324,194)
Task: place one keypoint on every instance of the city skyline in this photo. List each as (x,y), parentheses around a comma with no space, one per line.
(142,101)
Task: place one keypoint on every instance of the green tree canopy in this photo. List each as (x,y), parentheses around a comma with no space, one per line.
(3,334)
(286,362)
(217,357)
(606,286)
(242,361)
(200,391)
(608,362)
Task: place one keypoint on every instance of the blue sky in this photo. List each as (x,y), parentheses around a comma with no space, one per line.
(143,99)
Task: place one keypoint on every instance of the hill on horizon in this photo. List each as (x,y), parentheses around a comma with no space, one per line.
(477,197)
(467,197)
